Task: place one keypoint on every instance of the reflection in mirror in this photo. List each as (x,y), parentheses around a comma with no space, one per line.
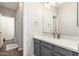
(78,14)
(62,18)
(49,12)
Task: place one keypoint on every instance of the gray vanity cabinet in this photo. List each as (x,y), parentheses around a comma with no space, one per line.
(37,47)
(62,51)
(58,51)
(45,49)
(46,52)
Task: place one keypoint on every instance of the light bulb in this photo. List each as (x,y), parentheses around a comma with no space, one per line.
(47,5)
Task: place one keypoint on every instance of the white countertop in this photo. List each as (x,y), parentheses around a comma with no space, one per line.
(72,45)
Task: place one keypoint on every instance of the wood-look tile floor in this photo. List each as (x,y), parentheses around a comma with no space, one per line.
(13,52)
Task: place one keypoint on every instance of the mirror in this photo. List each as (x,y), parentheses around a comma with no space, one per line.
(65,21)
(78,14)
(49,13)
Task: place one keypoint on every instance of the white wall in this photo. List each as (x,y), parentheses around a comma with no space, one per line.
(67,16)
(36,13)
(19,26)
(33,23)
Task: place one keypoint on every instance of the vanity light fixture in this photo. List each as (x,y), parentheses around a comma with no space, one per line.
(49,4)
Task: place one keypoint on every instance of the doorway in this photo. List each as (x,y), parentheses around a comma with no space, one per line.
(7,27)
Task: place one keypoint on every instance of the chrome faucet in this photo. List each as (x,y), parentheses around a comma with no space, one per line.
(55,28)
(58,35)
(54,35)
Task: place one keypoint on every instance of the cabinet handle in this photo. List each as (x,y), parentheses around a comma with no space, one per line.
(77,14)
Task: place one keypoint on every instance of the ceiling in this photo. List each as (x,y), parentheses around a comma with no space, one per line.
(11,5)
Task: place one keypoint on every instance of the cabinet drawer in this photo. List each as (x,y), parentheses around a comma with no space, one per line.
(75,54)
(45,52)
(63,51)
(47,45)
(36,41)
(56,54)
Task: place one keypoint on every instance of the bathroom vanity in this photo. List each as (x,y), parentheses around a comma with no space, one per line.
(58,20)
(48,46)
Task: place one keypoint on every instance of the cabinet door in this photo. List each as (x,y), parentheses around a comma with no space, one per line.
(46,52)
(75,54)
(47,45)
(36,41)
(56,54)
(36,47)
(63,52)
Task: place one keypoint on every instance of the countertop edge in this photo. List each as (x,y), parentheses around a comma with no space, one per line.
(58,45)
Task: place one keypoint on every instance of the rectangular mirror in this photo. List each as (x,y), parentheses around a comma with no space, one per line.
(66,21)
(77,14)
(48,19)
